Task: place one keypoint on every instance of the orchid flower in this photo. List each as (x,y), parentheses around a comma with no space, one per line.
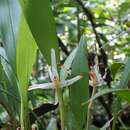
(59,81)
(95,75)
(55,77)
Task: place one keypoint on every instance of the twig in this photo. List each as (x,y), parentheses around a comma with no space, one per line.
(63,47)
(91,101)
(91,19)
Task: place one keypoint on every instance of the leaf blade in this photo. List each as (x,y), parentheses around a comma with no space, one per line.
(42,25)
(80,92)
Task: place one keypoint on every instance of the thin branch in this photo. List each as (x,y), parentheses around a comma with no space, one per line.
(63,47)
(78,24)
(91,19)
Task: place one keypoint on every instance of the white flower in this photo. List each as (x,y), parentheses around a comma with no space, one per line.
(54,76)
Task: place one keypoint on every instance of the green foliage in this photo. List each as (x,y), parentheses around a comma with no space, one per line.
(115,68)
(26,54)
(106,91)
(80,90)
(124,8)
(124,94)
(9,12)
(67,65)
(41,22)
(10,98)
(32,27)
(125,76)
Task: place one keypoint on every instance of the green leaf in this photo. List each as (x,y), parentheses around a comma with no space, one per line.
(102,92)
(11,76)
(124,94)
(71,119)
(26,52)
(9,19)
(3,97)
(67,65)
(126,50)
(123,84)
(40,20)
(8,97)
(80,92)
(115,67)
(92,127)
(124,7)
(10,82)
(9,12)
(125,75)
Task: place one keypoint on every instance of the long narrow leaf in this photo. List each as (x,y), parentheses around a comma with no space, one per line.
(67,65)
(9,19)
(125,76)
(80,92)
(10,80)
(26,52)
(40,20)
(123,93)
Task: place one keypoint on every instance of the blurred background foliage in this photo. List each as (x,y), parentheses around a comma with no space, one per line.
(110,19)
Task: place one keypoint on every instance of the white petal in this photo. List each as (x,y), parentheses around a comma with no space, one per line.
(54,63)
(52,85)
(70,81)
(91,83)
(50,74)
(65,70)
(42,86)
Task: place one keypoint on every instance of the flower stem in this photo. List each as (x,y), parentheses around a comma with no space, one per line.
(25,123)
(90,107)
(61,107)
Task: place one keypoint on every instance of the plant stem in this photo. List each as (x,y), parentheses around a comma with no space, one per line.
(25,124)
(90,107)
(123,125)
(114,121)
(61,106)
